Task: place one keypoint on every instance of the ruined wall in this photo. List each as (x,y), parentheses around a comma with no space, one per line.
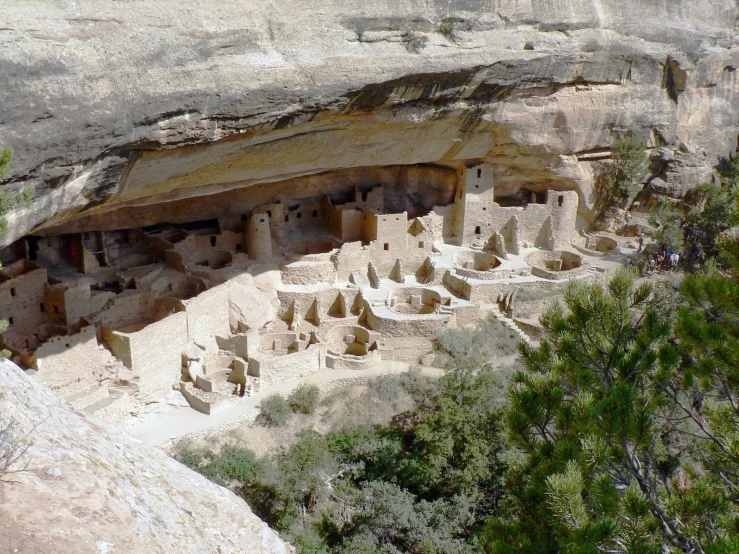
(155,353)
(67,362)
(273,369)
(208,317)
(22,295)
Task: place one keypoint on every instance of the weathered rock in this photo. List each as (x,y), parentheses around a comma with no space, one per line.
(116,107)
(90,488)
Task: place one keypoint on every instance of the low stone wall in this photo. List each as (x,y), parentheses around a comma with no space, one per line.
(347,361)
(391,324)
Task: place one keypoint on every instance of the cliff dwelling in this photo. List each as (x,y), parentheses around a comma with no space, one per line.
(219,308)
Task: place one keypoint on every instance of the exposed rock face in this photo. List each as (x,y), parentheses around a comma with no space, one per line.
(93,489)
(116,106)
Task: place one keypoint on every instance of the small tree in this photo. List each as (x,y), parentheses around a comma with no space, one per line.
(669,227)
(305,398)
(623,178)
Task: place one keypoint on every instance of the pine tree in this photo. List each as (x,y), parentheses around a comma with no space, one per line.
(598,470)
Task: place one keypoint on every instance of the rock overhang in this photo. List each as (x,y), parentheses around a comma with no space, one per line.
(110,108)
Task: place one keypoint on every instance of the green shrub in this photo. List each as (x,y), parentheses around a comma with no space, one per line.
(232,462)
(414,43)
(305,398)
(274,411)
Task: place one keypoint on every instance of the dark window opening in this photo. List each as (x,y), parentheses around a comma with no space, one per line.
(169,287)
(67,345)
(42,307)
(10,321)
(479,173)
(397,219)
(364,197)
(420,244)
(269,213)
(560,200)
(315,213)
(261,220)
(12,291)
(386,246)
(477,230)
(477,186)
(243,217)
(287,218)
(300,214)
(238,247)
(32,247)
(56,309)
(484,209)
(212,241)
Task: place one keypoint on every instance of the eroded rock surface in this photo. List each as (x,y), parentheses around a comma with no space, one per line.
(93,489)
(114,107)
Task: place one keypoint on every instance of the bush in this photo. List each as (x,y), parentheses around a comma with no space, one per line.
(274,411)
(232,462)
(305,398)
(385,387)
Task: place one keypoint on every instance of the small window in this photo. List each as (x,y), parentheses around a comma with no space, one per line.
(287,218)
(10,321)
(238,247)
(261,220)
(484,209)
(364,197)
(243,217)
(42,307)
(56,309)
(477,230)
(12,291)
(315,213)
(212,241)
(397,219)
(560,200)
(300,214)
(67,345)
(386,246)
(477,186)
(479,173)
(420,244)
(269,213)
(169,287)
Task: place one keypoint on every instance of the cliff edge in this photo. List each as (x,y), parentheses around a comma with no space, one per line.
(90,488)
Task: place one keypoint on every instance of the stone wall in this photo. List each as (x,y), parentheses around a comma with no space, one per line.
(273,369)
(67,362)
(22,295)
(154,353)
(208,316)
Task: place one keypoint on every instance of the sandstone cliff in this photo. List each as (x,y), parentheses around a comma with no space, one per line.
(114,107)
(93,489)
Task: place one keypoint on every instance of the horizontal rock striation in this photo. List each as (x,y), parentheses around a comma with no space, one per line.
(90,488)
(116,107)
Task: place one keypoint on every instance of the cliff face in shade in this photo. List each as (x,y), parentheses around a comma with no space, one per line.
(117,106)
(92,489)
